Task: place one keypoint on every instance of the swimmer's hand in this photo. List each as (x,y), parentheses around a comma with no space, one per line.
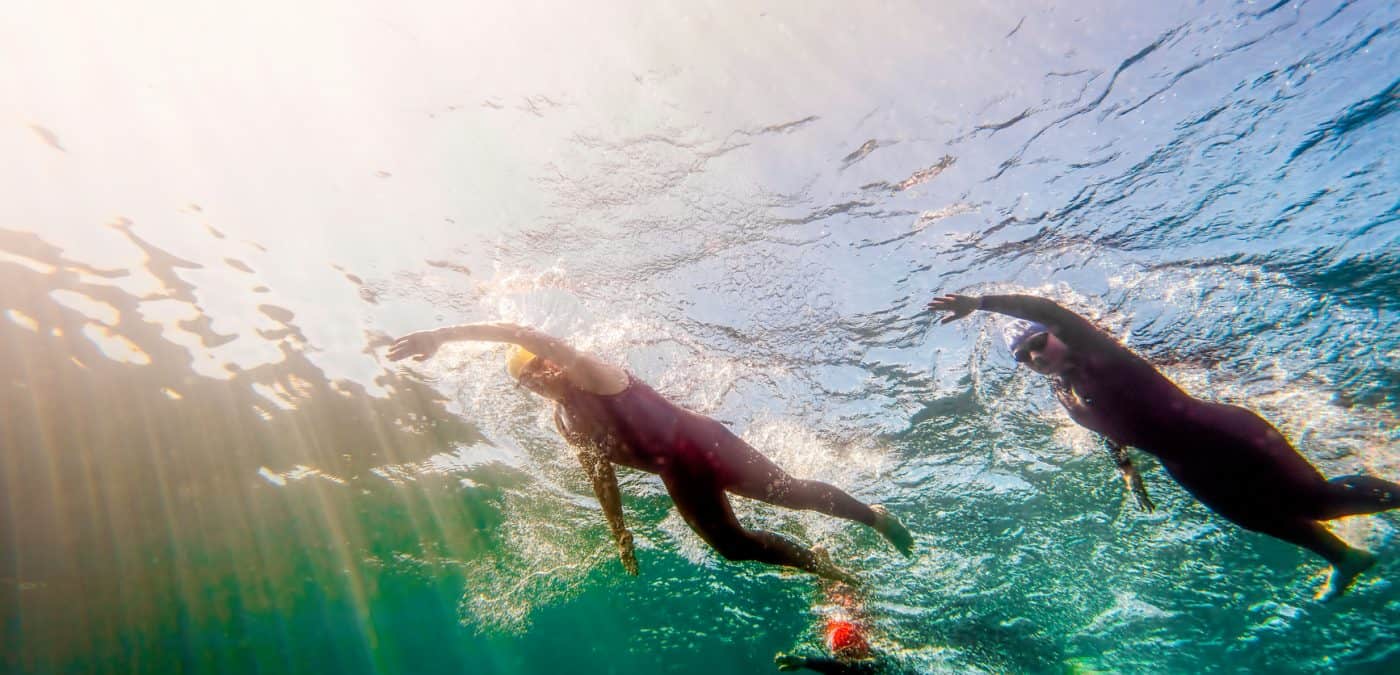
(420,345)
(1140,493)
(1132,480)
(789,661)
(628,554)
(958,306)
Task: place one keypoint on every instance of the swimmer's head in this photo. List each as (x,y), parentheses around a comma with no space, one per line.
(516,361)
(844,639)
(1017,332)
(1033,344)
(538,374)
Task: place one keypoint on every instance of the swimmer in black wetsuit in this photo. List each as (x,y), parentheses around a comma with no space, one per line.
(831,665)
(848,651)
(1231,459)
(611,417)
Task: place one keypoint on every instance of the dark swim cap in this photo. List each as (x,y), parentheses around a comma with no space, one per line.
(1020,330)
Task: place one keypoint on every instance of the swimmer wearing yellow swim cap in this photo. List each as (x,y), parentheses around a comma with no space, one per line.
(612,418)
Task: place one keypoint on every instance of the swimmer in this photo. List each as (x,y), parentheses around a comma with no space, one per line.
(1228,457)
(844,628)
(611,417)
(844,634)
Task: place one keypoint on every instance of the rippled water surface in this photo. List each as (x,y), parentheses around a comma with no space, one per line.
(217,215)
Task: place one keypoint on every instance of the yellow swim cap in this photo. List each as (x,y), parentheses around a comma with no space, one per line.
(518,359)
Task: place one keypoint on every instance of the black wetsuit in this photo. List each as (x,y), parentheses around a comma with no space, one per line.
(831,666)
(1231,459)
(875,664)
(699,460)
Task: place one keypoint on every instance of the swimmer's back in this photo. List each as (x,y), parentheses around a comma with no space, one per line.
(638,426)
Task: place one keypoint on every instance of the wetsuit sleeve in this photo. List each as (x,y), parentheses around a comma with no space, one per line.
(1072,329)
(600,472)
(1131,479)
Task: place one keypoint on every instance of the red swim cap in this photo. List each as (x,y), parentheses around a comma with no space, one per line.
(844,639)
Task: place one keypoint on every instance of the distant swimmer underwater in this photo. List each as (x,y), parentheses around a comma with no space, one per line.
(848,650)
(611,417)
(1228,457)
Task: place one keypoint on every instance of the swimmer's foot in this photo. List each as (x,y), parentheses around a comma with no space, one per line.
(893,530)
(1343,574)
(823,567)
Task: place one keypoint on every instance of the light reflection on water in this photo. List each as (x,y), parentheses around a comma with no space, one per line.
(208,462)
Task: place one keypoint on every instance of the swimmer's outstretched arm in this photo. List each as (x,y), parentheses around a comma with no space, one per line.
(425,343)
(1072,329)
(583,370)
(1131,480)
(600,471)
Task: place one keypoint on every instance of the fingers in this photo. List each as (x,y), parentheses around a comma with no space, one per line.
(1145,503)
(404,347)
(944,303)
(956,306)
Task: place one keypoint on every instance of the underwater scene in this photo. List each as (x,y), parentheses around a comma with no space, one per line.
(897,337)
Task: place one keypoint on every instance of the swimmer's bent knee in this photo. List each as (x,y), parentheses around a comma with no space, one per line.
(736,550)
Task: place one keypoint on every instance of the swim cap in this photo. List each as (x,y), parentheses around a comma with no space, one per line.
(844,639)
(518,359)
(1019,331)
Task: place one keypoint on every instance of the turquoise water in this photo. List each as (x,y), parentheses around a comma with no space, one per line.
(217,217)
